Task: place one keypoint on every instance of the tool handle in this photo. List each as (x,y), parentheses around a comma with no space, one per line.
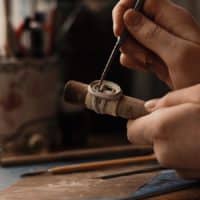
(76,154)
(102,164)
(139,5)
(126,107)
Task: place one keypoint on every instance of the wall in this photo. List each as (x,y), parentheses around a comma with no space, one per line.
(193,5)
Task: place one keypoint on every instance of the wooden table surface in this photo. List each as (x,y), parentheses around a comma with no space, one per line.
(81,186)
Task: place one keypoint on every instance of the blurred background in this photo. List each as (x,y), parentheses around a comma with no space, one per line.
(45,43)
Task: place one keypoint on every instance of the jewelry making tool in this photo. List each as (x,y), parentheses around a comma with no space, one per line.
(89,166)
(110,100)
(101,152)
(138,6)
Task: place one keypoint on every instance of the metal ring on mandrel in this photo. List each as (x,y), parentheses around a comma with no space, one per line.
(106,100)
(111,91)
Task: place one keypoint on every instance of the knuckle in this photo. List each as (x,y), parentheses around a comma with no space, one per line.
(198,87)
(195,108)
(130,133)
(197,93)
(123,59)
(117,11)
(164,158)
(138,21)
(166,100)
(152,32)
(160,131)
(162,152)
(182,52)
(151,5)
(135,21)
(114,12)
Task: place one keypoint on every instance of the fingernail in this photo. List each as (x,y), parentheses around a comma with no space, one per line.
(115,30)
(132,18)
(151,105)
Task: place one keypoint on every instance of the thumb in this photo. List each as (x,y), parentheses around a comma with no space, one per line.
(187,95)
(151,35)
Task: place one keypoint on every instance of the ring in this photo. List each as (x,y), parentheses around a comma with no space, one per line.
(110,90)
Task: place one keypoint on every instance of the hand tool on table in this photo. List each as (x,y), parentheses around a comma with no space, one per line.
(102,152)
(137,6)
(89,166)
(134,172)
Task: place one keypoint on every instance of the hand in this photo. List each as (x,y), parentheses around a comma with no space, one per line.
(173,128)
(164,39)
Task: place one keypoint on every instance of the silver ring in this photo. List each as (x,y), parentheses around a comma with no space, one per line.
(111,91)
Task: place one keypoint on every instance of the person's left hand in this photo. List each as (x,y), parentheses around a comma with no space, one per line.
(173,128)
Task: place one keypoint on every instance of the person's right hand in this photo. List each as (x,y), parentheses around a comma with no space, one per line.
(164,39)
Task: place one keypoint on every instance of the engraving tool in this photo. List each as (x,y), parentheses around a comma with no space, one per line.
(138,6)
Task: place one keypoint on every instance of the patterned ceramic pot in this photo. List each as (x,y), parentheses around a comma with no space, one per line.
(29,100)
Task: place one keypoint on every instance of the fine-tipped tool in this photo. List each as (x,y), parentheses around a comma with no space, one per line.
(89,166)
(144,170)
(137,6)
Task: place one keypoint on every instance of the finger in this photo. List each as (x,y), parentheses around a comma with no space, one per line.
(151,35)
(133,50)
(142,130)
(164,12)
(155,125)
(118,12)
(131,62)
(165,130)
(150,61)
(187,95)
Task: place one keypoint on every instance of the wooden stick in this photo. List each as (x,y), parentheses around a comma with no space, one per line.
(125,107)
(101,164)
(76,154)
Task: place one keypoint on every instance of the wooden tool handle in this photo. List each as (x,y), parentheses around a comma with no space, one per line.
(76,154)
(125,107)
(101,164)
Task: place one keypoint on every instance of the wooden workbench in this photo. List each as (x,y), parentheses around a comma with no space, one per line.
(85,186)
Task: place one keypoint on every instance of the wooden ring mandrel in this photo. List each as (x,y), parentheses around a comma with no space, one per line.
(111,101)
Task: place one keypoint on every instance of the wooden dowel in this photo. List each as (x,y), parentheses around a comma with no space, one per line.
(101,164)
(125,107)
(76,154)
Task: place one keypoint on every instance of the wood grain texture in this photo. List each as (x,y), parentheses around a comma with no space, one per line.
(87,186)
(79,186)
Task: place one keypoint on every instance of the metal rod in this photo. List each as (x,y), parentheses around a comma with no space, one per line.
(138,6)
(129,173)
